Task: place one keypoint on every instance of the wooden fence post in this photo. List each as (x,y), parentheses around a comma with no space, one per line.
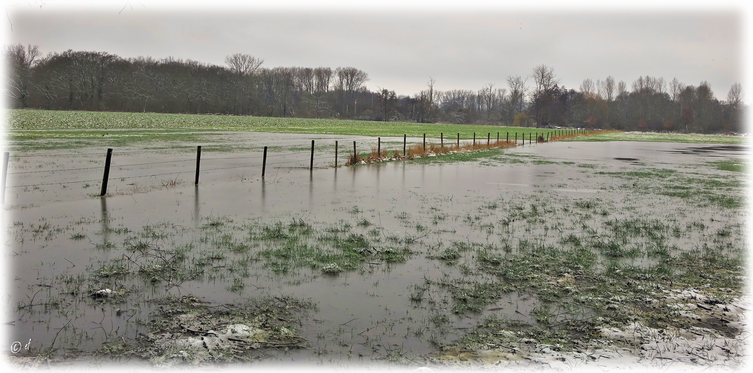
(474,139)
(379,148)
(311,165)
(107,172)
(424,142)
(264,163)
(488,138)
(404,143)
(355,155)
(335,153)
(441,138)
(458,139)
(198,162)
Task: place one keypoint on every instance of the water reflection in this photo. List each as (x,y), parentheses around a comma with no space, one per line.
(196,218)
(105,219)
(263,196)
(311,190)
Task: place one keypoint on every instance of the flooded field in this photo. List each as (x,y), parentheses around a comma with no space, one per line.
(548,255)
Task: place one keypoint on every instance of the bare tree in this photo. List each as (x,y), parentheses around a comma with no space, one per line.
(544,79)
(621,88)
(675,87)
(21,61)
(243,64)
(735,95)
(607,88)
(587,88)
(517,87)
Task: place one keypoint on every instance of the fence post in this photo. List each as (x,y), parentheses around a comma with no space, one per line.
(355,155)
(264,163)
(404,142)
(516,139)
(497,137)
(198,162)
(508,137)
(6,155)
(488,138)
(529,138)
(311,166)
(458,139)
(441,138)
(335,153)
(474,139)
(107,172)
(424,142)
(379,148)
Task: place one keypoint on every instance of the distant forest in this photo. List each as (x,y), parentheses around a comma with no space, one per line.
(99,81)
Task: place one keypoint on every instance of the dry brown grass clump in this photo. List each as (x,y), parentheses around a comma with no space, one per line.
(417,150)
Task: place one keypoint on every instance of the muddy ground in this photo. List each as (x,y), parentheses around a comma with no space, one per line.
(554,255)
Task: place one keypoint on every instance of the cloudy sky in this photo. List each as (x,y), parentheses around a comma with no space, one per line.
(401,46)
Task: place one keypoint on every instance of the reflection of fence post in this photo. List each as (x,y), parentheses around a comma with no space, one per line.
(405,137)
(335,153)
(311,165)
(198,161)
(5,172)
(264,163)
(107,172)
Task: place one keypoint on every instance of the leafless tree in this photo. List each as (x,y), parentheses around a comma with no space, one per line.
(675,87)
(21,60)
(518,89)
(544,79)
(243,64)
(735,95)
(607,88)
(587,88)
(621,88)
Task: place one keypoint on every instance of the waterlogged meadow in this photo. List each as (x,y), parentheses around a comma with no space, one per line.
(550,255)
(667,137)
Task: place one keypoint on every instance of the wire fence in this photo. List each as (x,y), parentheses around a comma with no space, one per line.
(123,162)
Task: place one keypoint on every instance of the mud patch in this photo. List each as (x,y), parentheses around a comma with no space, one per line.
(188,331)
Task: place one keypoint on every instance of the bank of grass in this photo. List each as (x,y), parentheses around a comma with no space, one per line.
(665,137)
(86,125)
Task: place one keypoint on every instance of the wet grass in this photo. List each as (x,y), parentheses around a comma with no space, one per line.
(666,137)
(734,165)
(585,263)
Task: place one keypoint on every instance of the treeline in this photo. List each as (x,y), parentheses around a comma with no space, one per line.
(99,81)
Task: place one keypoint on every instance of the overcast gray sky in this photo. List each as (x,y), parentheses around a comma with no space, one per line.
(401,46)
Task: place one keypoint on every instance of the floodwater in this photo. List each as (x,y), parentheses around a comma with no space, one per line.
(360,315)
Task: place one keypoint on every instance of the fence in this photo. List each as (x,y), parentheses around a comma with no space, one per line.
(199,165)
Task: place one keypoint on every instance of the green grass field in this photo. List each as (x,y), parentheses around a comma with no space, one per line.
(19,120)
(83,125)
